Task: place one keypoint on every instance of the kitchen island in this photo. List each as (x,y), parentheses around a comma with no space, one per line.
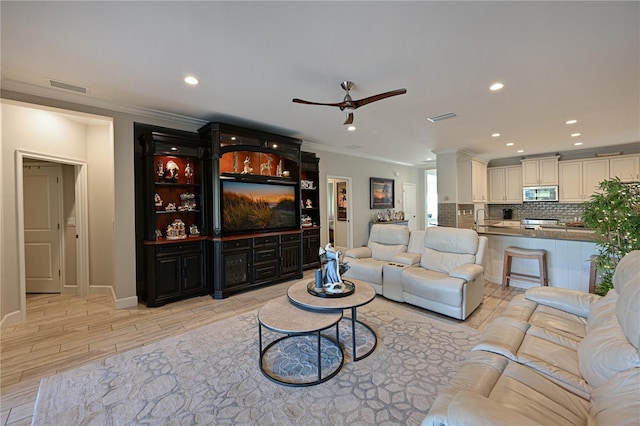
(568,254)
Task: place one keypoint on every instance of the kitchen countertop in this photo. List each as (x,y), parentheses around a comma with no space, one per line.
(550,233)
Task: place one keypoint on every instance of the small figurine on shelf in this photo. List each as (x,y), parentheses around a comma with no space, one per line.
(279,169)
(158,201)
(176,231)
(266,166)
(171,207)
(160,170)
(158,234)
(247,166)
(235,161)
(309,204)
(188,173)
(194,231)
(187,202)
(171,173)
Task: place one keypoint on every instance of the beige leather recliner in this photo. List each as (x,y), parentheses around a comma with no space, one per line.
(555,356)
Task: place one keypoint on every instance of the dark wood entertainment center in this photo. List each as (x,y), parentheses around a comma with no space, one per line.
(223,210)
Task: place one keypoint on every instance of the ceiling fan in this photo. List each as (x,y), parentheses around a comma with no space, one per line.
(349,105)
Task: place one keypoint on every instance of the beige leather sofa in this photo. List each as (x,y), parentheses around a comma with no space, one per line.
(556,357)
(439,269)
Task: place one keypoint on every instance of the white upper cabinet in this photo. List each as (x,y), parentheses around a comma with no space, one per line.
(505,185)
(540,171)
(570,186)
(478,182)
(627,168)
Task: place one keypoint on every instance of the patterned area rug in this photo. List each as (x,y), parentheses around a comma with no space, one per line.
(211,376)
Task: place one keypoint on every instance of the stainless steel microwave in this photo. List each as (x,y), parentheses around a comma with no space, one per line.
(540,193)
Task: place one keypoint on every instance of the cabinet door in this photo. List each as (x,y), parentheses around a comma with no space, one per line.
(311,246)
(236,268)
(625,168)
(497,186)
(570,185)
(513,184)
(593,172)
(548,171)
(478,182)
(168,277)
(192,272)
(530,175)
(290,259)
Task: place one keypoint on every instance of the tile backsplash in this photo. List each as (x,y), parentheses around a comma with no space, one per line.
(564,212)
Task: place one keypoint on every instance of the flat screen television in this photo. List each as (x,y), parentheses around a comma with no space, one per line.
(258,207)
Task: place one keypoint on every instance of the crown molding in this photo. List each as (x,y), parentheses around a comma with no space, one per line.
(86,100)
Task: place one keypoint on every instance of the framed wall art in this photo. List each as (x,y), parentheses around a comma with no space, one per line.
(382,193)
(341,193)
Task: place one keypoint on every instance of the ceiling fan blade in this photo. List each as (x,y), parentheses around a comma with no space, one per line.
(364,101)
(349,119)
(301,101)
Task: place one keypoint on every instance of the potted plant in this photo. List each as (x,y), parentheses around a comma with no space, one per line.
(614,213)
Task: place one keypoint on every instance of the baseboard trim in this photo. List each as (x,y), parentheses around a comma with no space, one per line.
(11,318)
(124,303)
(512,283)
(127,302)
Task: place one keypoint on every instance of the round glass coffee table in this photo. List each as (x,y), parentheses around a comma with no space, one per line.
(363,294)
(293,362)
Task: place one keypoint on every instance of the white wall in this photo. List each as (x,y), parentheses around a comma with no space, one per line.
(360,170)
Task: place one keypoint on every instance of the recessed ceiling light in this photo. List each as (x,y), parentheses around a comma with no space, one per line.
(173,148)
(429,159)
(571,121)
(575,135)
(351,128)
(233,138)
(578,143)
(496,86)
(191,80)
(520,151)
(495,135)
(510,144)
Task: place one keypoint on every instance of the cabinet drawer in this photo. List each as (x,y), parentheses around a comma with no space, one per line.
(235,244)
(288,238)
(266,255)
(177,248)
(266,272)
(265,241)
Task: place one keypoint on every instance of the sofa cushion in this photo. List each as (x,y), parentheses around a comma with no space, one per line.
(386,252)
(616,401)
(365,269)
(604,352)
(451,240)
(565,300)
(602,310)
(389,234)
(432,285)
(416,242)
(626,281)
(444,262)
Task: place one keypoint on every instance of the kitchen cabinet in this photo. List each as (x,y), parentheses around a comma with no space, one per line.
(540,171)
(478,182)
(505,185)
(580,179)
(626,167)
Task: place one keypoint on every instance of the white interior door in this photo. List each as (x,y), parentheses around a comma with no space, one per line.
(339,214)
(41,195)
(409,203)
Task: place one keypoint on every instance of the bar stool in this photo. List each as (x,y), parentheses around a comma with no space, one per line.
(511,252)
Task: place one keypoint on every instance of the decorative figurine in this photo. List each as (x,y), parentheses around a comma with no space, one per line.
(193,230)
(247,166)
(158,234)
(187,202)
(176,231)
(188,173)
(309,204)
(266,166)
(157,200)
(171,172)
(171,207)
(235,161)
(330,259)
(279,169)
(160,170)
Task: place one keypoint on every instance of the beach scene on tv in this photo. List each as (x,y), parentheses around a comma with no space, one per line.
(255,206)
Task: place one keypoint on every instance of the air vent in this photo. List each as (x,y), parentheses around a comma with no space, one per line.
(67,86)
(441,117)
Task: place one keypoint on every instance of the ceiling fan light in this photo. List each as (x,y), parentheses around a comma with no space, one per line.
(351,128)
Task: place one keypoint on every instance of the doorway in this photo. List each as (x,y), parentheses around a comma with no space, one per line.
(339,212)
(431,208)
(409,203)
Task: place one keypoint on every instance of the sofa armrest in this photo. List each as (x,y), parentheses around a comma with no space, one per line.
(407,258)
(358,252)
(468,408)
(467,272)
(571,301)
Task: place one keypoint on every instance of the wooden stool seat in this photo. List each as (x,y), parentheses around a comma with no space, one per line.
(539,255)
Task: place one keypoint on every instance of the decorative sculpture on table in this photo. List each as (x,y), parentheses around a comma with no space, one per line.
(330,259)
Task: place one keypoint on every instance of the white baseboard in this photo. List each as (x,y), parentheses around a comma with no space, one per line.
(70,290)
(126,302)
(512,283)
(11,318)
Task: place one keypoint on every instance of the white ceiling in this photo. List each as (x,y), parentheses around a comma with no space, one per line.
(558,61)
